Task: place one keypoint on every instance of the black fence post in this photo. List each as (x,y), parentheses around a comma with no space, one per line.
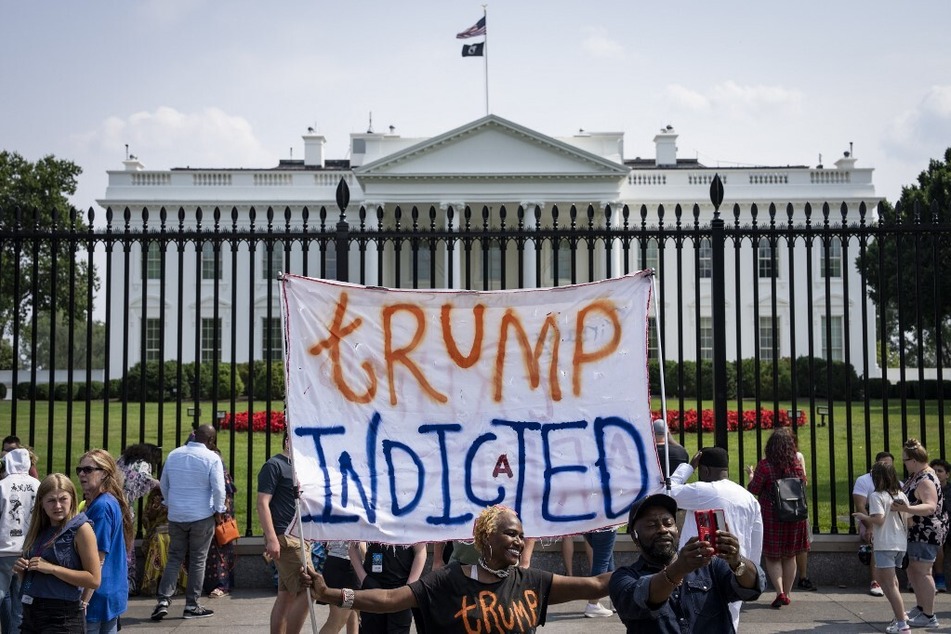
(718,304)
(342,236)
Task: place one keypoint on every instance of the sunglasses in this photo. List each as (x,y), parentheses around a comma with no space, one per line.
(87,470)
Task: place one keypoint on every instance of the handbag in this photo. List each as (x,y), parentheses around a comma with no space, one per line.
(789,497)
(226,532)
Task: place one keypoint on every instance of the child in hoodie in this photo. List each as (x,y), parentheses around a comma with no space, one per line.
(17,496)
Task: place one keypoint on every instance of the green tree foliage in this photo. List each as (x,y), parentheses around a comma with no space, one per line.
(39,192)
(914,276)
(63,349)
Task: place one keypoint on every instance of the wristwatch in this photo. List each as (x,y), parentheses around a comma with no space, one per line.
(740,569)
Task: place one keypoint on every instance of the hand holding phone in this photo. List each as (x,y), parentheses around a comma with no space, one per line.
(709,521)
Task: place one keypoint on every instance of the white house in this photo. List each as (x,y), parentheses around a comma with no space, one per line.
(492,163)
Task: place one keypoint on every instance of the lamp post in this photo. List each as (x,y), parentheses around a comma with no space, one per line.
(195,413)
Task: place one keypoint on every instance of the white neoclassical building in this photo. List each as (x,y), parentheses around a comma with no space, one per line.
(493,164)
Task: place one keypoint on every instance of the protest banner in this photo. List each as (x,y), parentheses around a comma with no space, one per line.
(409,411)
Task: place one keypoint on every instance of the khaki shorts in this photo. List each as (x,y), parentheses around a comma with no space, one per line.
(288,566)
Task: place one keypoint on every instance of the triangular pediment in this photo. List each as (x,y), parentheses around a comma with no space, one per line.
(488,149)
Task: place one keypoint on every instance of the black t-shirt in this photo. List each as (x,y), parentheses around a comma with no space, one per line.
(678,456)
(387,566)
(276,478)
(450,601)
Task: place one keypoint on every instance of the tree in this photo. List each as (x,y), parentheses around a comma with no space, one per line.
(41,358)
(913,282)
(38,193)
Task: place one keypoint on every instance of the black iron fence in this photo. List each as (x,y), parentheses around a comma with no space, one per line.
(830,319)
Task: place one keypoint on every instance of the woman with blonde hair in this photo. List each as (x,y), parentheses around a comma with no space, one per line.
(59,560)
(496,585)
(106,507)
(926,532)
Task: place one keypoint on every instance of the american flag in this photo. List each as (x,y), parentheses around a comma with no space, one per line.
(473,31)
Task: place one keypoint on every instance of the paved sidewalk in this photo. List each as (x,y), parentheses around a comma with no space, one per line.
(831,610)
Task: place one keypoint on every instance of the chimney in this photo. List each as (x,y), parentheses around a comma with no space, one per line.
(314,149)
(847,162)
(133,164)
(666,143)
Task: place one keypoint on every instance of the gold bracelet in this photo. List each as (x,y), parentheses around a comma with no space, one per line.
(675,584)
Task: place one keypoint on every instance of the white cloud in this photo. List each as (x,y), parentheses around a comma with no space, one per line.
(686,99)
(166,138)
(597,43)
(926,127)
(732,98)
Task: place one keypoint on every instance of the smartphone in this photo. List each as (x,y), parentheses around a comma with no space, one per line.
(709,521)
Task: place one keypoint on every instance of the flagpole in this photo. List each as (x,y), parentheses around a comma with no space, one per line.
(485,57)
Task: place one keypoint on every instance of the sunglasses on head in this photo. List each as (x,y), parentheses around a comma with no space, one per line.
(87,470)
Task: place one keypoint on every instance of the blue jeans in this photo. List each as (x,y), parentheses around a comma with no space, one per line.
(11,610)
(102,627)
(602,545)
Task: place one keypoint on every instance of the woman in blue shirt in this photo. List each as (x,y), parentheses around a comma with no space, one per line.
(111,518)
(59,560)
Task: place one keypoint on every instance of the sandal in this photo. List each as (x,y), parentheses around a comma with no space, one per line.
(217,593)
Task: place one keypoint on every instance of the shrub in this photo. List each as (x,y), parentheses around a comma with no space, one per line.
(61,392)
(41,392)
(3,391)
(259,421)
(691,419)
(208,383)
(837,380)
(23,391)
(155,390)
(91,391)
(262,388)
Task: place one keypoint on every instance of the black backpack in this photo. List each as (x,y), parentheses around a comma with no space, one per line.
(789,499)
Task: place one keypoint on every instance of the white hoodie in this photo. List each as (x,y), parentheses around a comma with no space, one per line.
(17,496)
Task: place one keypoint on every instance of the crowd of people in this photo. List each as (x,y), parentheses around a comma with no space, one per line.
(67,558)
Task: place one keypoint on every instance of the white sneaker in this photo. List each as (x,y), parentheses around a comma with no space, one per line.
(923,621)
(895,628)
(596,609)
(876,590)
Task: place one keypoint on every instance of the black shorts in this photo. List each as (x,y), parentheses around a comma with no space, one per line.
(338,573)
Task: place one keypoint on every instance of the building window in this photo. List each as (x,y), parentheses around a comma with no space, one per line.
(833,349)
(210,262)
(705,259)
(835,259)
(768,266)
(652,256)
(153,339)
(766,341)
(271,348)
(706,338)
(562,260)
(652,351)
(273,261)
(424,264)
(495,268)
(153,262)
(330,263)
(210,339)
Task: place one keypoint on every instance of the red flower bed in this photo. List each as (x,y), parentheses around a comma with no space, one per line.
(767,419)
(259,422)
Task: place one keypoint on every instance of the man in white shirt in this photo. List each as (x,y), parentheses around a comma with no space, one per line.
(860,491)
(193,485)
(715,490)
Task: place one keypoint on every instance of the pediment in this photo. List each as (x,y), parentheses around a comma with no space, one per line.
(491,148)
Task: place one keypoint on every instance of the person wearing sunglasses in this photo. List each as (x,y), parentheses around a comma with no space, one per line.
(106,507)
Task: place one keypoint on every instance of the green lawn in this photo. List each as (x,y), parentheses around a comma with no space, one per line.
(832,468)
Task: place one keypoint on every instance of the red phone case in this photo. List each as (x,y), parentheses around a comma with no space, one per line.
(709,521)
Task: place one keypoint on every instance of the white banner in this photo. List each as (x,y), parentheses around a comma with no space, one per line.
(410,411)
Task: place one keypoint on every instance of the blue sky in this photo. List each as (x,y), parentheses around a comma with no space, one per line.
(235,84)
